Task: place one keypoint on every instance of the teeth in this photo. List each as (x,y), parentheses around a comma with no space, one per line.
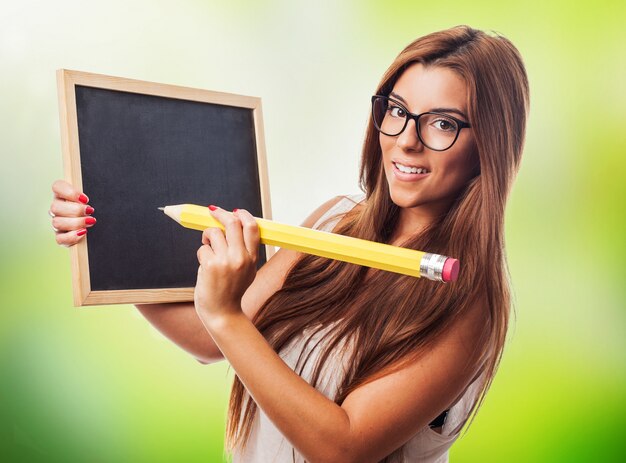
(410,170)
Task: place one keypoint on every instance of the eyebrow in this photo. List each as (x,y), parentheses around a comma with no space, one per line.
(436,110)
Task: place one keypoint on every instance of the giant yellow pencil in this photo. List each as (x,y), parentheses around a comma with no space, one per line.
(320,243)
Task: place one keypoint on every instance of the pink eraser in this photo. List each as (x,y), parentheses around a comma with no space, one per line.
(450,270)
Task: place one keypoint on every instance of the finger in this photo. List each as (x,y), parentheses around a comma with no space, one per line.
(64,224)
(206,235)
(205,254)
(251,234)
(60,207)
(70,238)
(232,229)
(63,190)
(216,240)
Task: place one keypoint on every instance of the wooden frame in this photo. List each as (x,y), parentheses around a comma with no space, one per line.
(66,82)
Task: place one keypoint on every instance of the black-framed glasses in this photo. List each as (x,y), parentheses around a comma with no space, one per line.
(437,131)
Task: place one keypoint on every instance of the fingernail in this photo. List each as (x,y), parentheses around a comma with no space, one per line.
(235,210)
(81,232)
(83,198)
(90,221)
(89,210)
(212,207)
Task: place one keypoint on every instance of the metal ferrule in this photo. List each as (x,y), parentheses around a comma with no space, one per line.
(431,266)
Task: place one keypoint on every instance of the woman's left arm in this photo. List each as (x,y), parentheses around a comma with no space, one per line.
(375,418)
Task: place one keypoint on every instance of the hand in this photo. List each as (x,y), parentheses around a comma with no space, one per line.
(71,215)
(227,264)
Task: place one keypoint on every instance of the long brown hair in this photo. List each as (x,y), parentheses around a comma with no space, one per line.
(381,315)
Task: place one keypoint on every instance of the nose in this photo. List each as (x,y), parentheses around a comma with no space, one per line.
(408,139)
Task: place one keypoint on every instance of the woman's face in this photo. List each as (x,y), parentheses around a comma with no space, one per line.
(422,89)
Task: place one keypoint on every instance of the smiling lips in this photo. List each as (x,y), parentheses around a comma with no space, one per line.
(406,172)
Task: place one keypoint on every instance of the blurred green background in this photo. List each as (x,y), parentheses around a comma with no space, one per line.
(100,385)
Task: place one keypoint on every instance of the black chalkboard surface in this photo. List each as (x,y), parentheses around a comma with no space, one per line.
(133,146)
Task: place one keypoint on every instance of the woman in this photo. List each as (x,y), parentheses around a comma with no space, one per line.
(336,362)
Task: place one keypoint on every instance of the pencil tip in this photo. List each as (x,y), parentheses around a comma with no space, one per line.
(161,208)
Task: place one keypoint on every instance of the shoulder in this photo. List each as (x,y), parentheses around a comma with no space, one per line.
(327,207)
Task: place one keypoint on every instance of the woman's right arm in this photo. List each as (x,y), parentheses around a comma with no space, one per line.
(179,321)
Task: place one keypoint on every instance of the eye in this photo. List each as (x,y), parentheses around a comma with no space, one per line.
(444,124)
(396,111)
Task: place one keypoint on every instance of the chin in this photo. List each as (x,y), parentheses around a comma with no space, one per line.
(404,200)
(429,205)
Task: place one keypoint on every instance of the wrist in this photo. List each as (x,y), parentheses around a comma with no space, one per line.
(220,322)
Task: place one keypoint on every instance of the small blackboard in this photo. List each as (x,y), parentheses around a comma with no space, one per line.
(133,146)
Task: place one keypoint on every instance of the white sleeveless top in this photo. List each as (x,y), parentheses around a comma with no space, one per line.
(267,444)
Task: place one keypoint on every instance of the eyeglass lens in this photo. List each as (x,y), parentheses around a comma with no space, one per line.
(437,131)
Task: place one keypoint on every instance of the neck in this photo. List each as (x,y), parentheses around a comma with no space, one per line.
(414,220)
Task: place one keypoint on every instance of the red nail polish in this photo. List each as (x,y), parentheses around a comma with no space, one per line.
(212,207)
(81,232)
(235,210)
(89,210)
(83,198)
(90,221)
